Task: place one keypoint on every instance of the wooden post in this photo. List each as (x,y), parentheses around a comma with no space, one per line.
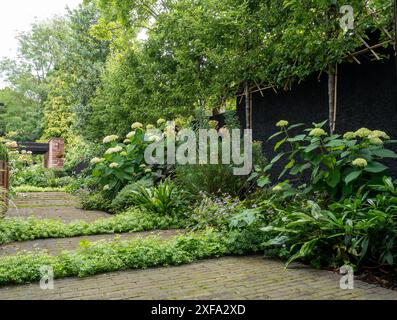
(250,111)
(332,97)
(247,105)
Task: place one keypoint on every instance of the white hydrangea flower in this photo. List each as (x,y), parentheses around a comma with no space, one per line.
(131,134)
(114,165)
(114,150)
(96,160)
(136,125)
(111,138)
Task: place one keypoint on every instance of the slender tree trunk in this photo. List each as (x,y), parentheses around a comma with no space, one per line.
(331,97)
(247,105)
(395,35)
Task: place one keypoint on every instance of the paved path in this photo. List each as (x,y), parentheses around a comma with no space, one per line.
(225,278)
(59,205)
(252,277)
(51,205)
(55,246)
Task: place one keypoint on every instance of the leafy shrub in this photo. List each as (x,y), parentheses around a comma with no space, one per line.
(214,211)
(22,229)
(361,228)
(164,199)
(38,176)
(338,165)
(122,162)
(95,201)
(124,200)
(218,178)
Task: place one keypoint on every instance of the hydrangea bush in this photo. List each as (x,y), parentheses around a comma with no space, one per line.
(122,162)
(338,164)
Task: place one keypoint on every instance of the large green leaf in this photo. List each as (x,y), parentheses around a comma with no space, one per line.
(375,167)
(384,153)
(352,176)
(298,138)
(333,179)
(276,158)
(279,144)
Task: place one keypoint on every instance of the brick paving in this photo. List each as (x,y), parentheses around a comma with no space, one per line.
(229,278)
(250,277)
(55,246)
(51,205)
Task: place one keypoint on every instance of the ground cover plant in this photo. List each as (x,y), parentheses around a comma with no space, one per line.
(102,257)
(21,229)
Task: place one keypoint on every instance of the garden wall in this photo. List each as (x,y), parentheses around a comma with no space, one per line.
(367,97)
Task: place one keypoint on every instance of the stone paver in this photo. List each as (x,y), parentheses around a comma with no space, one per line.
(51,205)
(230,278)
(59,205)
(251,277)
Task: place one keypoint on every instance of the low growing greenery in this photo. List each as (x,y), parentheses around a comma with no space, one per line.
(22,229)
(101,257)
(27,188)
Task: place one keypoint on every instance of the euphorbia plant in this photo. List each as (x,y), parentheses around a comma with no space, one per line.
(337,164)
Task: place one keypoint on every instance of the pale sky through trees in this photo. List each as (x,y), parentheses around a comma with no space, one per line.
(18,15)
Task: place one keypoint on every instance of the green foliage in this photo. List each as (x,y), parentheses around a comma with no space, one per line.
(358,230)
(214,212)
(26,189)
(219,178)
(122,162)
(95,201)
(164,199)
(22,229)
(124,198)
(338,165)
(3,202)
(37,176)
(3,152)
(94,258)
(20,116)
(102,257)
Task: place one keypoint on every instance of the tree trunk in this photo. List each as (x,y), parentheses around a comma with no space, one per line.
(395,35)
(247,106)
(332,98)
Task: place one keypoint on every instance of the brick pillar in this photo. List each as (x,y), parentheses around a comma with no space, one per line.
(56,151)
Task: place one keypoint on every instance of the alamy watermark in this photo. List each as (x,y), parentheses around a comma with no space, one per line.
(347,20)
(347,280)
(47,278)
(200,147)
